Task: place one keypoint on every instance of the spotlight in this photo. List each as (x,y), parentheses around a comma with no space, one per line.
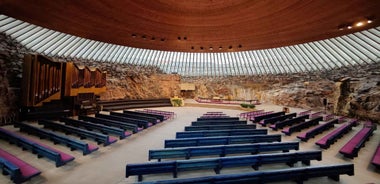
(359,24)
(349,27)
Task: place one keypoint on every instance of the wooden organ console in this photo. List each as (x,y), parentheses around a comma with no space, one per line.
(46,82)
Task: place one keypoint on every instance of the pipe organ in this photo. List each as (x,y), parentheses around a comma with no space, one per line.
(45,80)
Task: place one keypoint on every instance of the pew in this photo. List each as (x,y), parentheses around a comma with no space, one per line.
(274,114)
(305,136)
(121,104)
(159,117)
(74,144)
(218,118)
(221,140)
(125,126)
(352,147)
(304,113)
(210,133)
(218,122)
(288,122)
(334,135)
(167,114)
(217,164)
(18,170)
(328,117)
(221,150)
(246,115)
(151,120)
(82,133)
(60,158)
(219,127)
(140,123)
(376,157)
(92,126)
(299,175)
(300,126)
(272,120)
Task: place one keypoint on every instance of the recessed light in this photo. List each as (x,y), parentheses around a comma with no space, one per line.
(369,21)
(359,24)
(349,27)
(211,48)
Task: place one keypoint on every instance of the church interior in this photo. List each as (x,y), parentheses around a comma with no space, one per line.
(202,91)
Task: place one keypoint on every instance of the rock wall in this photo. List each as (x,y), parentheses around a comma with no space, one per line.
(11,58)
(352,91)
(357,97)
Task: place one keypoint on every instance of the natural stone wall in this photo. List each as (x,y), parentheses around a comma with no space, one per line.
(359,96)
(11,58)
(351,91)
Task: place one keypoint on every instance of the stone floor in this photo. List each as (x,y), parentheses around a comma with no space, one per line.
(107,165)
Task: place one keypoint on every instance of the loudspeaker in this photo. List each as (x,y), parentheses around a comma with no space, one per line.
(325,101)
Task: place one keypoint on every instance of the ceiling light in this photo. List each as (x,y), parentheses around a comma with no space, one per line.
(359,24)
(220,48)
(211,48)
(349,27)
(369,21)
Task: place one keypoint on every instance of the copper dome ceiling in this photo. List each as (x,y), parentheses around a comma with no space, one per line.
(198,25)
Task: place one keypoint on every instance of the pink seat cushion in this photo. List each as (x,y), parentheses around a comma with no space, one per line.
(64,157)
(112,139)
(139,129)
(127,134)
(350,145)
(26,169)
(376,156)
(92,147)
(286,130)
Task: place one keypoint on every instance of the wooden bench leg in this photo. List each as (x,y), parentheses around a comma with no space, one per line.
(139,178)
(175,174)
(306,162)
(334,177)
(255,167)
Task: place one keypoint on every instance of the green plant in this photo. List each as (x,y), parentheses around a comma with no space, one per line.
(176,102)
(244,105)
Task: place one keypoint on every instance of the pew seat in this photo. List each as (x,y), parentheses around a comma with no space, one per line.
(217,164)
(221,150)
(82,133)
(300,126)
(74,144)
(305,136)
(219,127)
(125,126)
(212,133)
(41,150)
(352,147)
(17,169)
(298,174)
(221,140)
(334,135)
(376,158)
(288,122)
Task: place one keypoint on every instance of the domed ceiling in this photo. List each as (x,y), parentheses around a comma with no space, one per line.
(199,25)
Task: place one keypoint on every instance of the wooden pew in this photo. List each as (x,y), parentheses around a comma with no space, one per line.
(18,170)
(352,147)
(221,150)
(293,174)
(218,122)
(92,126)
(139,123)
(58,138)
(277,119)
(167,114)
(149,119)
(221,140)
(107,122)
(156,116)
(304,136)
(218,118)
(219,127)
(288,122)
(82,133)
(217,164)
(275,114)
(210,133)
(334,135)
(60,158)
(376,157)
(300,126)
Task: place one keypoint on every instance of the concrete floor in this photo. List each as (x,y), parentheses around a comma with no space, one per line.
(107,165)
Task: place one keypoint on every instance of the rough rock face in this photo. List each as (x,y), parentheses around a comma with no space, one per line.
(358,97)
(11,58)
